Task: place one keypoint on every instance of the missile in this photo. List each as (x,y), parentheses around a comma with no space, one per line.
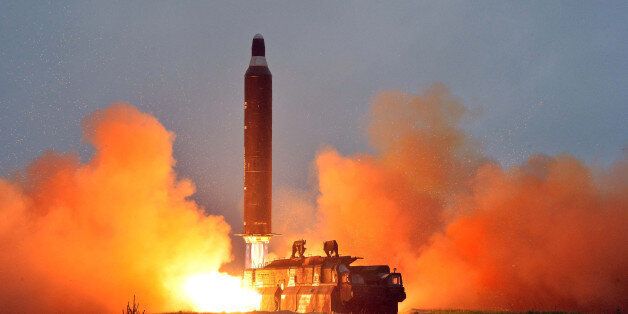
(258,121)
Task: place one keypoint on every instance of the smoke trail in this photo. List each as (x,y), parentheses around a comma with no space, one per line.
(464,231)
(84,238)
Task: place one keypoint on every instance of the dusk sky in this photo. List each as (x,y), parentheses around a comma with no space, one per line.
(538,77)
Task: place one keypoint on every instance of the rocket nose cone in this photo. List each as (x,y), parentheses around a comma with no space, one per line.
(257,47)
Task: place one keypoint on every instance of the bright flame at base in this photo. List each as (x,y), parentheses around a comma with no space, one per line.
(256,250)
(219,292)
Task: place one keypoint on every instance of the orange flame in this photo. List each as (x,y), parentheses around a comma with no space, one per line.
(84,238)
(219,292)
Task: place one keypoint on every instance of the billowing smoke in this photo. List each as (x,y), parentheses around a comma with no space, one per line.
(84,237)
(464,231)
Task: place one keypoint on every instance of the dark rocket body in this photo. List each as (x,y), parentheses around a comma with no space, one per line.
(258,121)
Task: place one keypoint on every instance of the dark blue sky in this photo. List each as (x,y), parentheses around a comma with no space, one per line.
(545,76)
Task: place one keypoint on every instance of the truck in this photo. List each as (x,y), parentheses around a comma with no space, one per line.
(325,284)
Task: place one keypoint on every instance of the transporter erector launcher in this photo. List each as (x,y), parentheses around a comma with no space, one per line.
(258,136)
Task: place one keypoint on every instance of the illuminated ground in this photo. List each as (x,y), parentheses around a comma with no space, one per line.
(256,312)
(417,311)
(413,311)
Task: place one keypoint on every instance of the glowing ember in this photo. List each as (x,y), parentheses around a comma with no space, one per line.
(219,292)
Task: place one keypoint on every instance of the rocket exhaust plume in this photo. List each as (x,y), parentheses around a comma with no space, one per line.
(258,137)
(549,234)
(84,238)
